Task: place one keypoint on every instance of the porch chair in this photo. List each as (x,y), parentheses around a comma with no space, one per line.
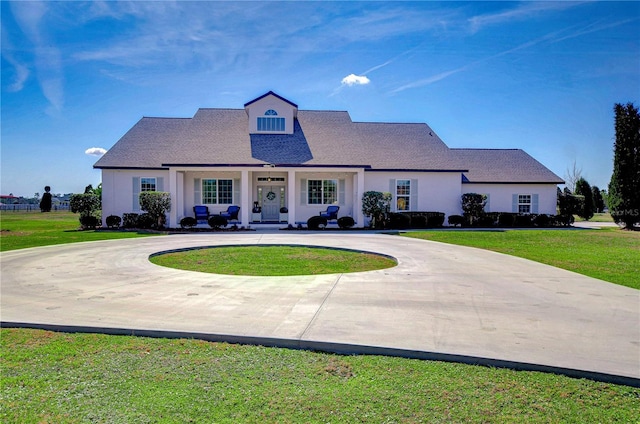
(331,213)
(201,212)
(231,213)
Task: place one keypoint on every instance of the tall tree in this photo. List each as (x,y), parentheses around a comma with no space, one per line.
(584,189)
(624,188)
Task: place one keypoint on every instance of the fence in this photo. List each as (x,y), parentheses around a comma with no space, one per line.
(21,207)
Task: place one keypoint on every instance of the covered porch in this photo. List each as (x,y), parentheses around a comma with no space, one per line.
(268,195)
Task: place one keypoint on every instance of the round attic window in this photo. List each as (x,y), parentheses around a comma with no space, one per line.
(271,112)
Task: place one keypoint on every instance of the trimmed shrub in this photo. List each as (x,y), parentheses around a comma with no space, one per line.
(317,223)
(398,221)
(541,220)
(188,222)
(145,221)
(564,220)
(435,219)
(375,205)
(217,221)
(156,204)
(346,222)
(473,206)
(485,221)
(89,222)
(85,204)
(455,220)
(523,221)
(506,220)
(418,221)
(113,221)
(129,220)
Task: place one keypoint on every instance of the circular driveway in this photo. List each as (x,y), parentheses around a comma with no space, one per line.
(441,301)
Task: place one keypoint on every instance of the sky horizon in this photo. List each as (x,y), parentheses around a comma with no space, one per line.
(539,76)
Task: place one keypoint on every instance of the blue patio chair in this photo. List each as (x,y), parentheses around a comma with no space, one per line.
(331,213)
(231,213)
(201,212)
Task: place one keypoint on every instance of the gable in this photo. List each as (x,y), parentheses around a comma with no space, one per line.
(271,114)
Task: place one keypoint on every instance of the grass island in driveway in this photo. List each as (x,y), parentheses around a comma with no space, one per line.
(276,260)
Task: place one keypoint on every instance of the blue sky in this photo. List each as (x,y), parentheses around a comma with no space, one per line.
(541,76)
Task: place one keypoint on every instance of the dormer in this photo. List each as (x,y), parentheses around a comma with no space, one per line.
(271,114)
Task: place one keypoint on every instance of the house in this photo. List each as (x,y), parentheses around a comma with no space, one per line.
(301,161)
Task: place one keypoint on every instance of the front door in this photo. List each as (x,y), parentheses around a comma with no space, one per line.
(271,203)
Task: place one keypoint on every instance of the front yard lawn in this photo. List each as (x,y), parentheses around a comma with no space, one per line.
(609,254)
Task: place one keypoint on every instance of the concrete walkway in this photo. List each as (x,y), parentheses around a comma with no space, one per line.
(441,301)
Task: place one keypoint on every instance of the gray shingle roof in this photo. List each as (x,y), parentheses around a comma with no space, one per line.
(503,166)
(321,138)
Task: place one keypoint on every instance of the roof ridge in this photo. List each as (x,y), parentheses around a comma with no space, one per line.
(484,148)
(164,117)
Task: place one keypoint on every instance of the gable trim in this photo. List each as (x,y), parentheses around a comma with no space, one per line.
(270,93)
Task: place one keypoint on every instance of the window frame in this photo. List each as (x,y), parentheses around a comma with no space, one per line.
(144,185)
(221,191)
(270,122)
(405,196)
(525,206)
(324,193)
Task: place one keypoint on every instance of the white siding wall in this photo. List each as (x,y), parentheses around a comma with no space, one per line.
(305,211)
(284,110)
(501,195)
(189,191)
(437,191)
(117,189)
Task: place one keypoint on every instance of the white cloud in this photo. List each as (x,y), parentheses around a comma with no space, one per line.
(354,79)
(95,151)
(48,58)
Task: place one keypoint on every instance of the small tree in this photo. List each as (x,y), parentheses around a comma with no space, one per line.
(568,205)
(624,189)
(584,189)
(156,204)
(376,205)
(598,199)
(473,206)
(86,205)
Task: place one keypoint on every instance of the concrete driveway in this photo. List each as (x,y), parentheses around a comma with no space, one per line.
(441,302)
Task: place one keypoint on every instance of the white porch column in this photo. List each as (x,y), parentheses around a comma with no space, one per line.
(173,193)
(357,202)
(292,196)
(245,197)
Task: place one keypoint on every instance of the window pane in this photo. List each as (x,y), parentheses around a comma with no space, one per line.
(402,203)
(225,191)
(403,187)
(314,191)
(209,191)
(524,203)
(147,184)
(270,124)
(330,189)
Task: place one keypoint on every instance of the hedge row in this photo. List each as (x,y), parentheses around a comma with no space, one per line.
(511,220)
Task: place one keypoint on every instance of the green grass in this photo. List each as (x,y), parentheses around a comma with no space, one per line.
(74,378)
(609,254)
(32,229)
(273,260)
(598,217)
